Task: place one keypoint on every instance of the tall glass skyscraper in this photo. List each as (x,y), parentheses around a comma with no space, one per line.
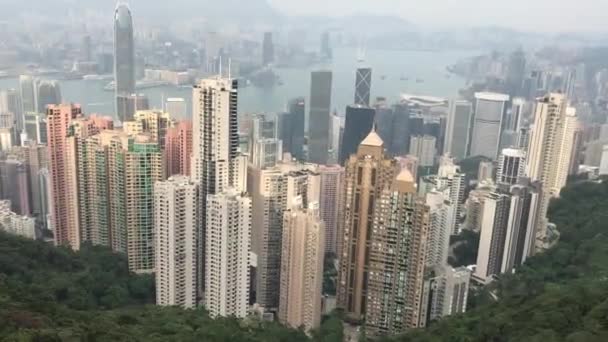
(124,58)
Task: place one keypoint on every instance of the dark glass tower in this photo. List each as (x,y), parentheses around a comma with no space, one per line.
(292,128)
(363,86)
(358,124)
(318,124)
(124,58)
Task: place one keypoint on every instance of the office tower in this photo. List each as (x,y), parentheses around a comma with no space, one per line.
(15,224)
(47,93)
(577,150)
(35,157)
(367,174)
(177,108)
(124,60)
(273,191)
(27,90)
(520,239)
(440,228)
(267,49)
(318,119)
(487,124)
(86,49)
(64,190)
(10,105)
(458,129)
(326,51)
(292,129)
(515,72)
(178,149)
(384,122)
(303,251)
(397,251)
(228,244)
(402,130)
(603,169)
(336,134)
(14,185)
(265,150)
(550,148)
(494,222)
(175,227)
(593,152)
(152,122)
(511,166)
(127,105)
(358,124)
(363,86)
(332,189)
(35,127)
(424,148)
(485,171)
(516,115)
(445,294)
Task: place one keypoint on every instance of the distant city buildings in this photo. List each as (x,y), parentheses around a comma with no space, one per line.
(124,61)
(319,114)
(358,123)
(458,129)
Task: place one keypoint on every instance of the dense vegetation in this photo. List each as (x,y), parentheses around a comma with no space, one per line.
(53,294)
(561,295)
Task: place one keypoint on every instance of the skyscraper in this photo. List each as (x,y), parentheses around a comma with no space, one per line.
(318,127)
(424,148)
(458,129)
(326,51)
(445,294)
(178,149)
(358,124)
(14,185)
(177,108)
(363,85)
(549,152)
(332,191)
(303,250)
(515,72)
(368,173)
(124,58)
(267,49)
(63,178)
(47,93)
(176,223)
(487,124)
(397,252)
(511,166)
(227,260)
(215,163)
(10,106)
(292,129)
(275,190)
(494,221)
(520,239)
(27,89)
(440,228)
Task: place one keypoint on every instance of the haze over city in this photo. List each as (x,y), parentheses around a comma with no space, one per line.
(303,171)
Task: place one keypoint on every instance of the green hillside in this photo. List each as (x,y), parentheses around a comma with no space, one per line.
(561,295)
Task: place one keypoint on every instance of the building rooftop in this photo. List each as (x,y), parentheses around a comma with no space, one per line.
(373,139)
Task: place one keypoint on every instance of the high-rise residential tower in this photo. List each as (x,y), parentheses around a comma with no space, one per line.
(303,250)
(424,147)
(458,129)
(319,114)
(124,58)
(178,149)
(175,227)
(64,192)
(549,152)
(363,86)
(227,254)
(494,220)
(487,124)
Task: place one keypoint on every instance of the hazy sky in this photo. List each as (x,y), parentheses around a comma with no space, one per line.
(541,15)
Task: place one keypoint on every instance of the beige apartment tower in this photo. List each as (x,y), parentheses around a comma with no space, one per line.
(302,268)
